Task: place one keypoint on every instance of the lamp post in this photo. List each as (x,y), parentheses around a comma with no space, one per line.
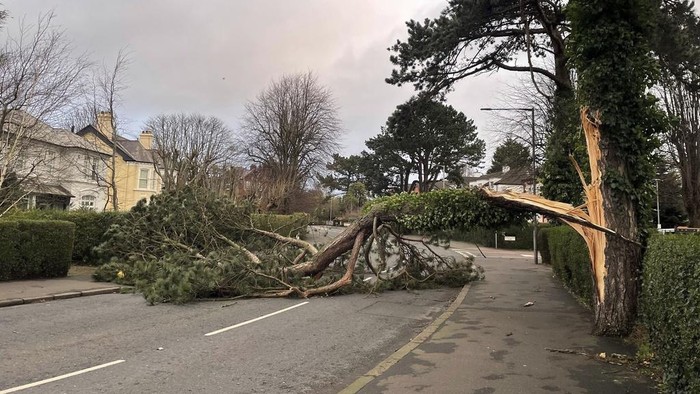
(658,212)
(534,170)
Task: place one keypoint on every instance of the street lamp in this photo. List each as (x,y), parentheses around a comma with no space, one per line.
(534,169)
(658,212)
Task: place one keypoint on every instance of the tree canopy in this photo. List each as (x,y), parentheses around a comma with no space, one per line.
(428,138)
(475,36)
(510,153)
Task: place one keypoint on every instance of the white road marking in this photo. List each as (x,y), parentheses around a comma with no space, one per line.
(253,320)
(464,253)
(68,375)
(527,255)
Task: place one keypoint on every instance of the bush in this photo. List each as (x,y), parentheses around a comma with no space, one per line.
(90,228)
(116,272)
(671,308)
(568,255)
(287,225)
(485,237)
(35,248)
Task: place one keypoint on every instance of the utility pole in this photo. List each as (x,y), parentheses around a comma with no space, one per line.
(534,170)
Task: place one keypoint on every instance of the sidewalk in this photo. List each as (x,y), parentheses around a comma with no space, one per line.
(493,344)
(41,290)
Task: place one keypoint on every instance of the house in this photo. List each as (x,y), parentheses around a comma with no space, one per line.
(54,168)
(516,179)
(134,172)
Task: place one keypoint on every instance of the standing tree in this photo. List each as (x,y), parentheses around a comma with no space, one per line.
(510,153)
(434,138)
(344,172)
(191,149)
(472,37)
(291,130)
(39,76)
(611,49)
(390,168)
(678,48)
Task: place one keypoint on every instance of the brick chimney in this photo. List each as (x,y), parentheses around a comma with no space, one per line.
(104,124)
(146,139)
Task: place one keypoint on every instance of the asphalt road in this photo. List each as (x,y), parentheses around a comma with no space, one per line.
(319,346)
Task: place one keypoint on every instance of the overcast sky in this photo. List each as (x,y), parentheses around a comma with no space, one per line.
(213,56)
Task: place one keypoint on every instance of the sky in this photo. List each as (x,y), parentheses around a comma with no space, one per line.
(213,56)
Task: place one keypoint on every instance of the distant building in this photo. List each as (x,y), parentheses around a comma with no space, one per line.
(134,170)
(55,168)
(516,179)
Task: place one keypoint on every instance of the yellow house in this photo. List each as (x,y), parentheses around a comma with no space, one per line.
(135,175)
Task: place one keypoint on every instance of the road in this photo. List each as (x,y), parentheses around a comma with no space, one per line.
(319,346)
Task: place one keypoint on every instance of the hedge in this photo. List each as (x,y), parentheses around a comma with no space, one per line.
(671,308)
(35,248)
(287,225)
(485,237)
(90,227)
(568,254)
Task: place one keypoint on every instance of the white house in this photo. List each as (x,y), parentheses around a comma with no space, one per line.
(56,168)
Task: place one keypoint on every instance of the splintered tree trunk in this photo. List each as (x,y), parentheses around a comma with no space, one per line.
(608,225)
(617,267)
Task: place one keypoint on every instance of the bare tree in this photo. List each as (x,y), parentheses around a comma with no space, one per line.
(291,130)
(191,149)
(682,142)
(39,75)
(102,95)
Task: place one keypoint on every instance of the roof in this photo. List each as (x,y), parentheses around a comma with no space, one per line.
(516,176)
(40,131)
(483,177)
(42,188)
(129,150)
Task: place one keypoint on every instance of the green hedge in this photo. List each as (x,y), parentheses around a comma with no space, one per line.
(35,248)
(568,254)
(90,227)
(486,237)
(671,308)
(287,225)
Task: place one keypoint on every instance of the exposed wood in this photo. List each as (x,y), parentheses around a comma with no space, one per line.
(289,240)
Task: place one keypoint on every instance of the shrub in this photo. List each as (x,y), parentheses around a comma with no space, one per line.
(486,237)
(568,255)
(35,248)
(671,308)
(90,228)
(287,225)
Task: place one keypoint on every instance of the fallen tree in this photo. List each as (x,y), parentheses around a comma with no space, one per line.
(190,244)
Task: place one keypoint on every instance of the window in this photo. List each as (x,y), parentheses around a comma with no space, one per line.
(144,175)
(88,202)
(91,168)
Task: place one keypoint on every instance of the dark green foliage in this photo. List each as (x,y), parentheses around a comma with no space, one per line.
(428,138)
(560,182)
(90,228)
(344,172)
(486,237)
(571,263)
(10,262)
(671,308)
(448,209)
(35,248)
(472,37)
(288,225)
(510,153)
(610,45)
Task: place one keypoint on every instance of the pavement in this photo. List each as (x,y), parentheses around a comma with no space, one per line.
(489,341)
(42,290)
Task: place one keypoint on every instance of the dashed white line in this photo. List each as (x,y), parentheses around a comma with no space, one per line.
(464,253)
(527,255)
(68,375)
(253,320)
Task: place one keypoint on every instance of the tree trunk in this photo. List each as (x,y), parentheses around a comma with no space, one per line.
(341,244)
